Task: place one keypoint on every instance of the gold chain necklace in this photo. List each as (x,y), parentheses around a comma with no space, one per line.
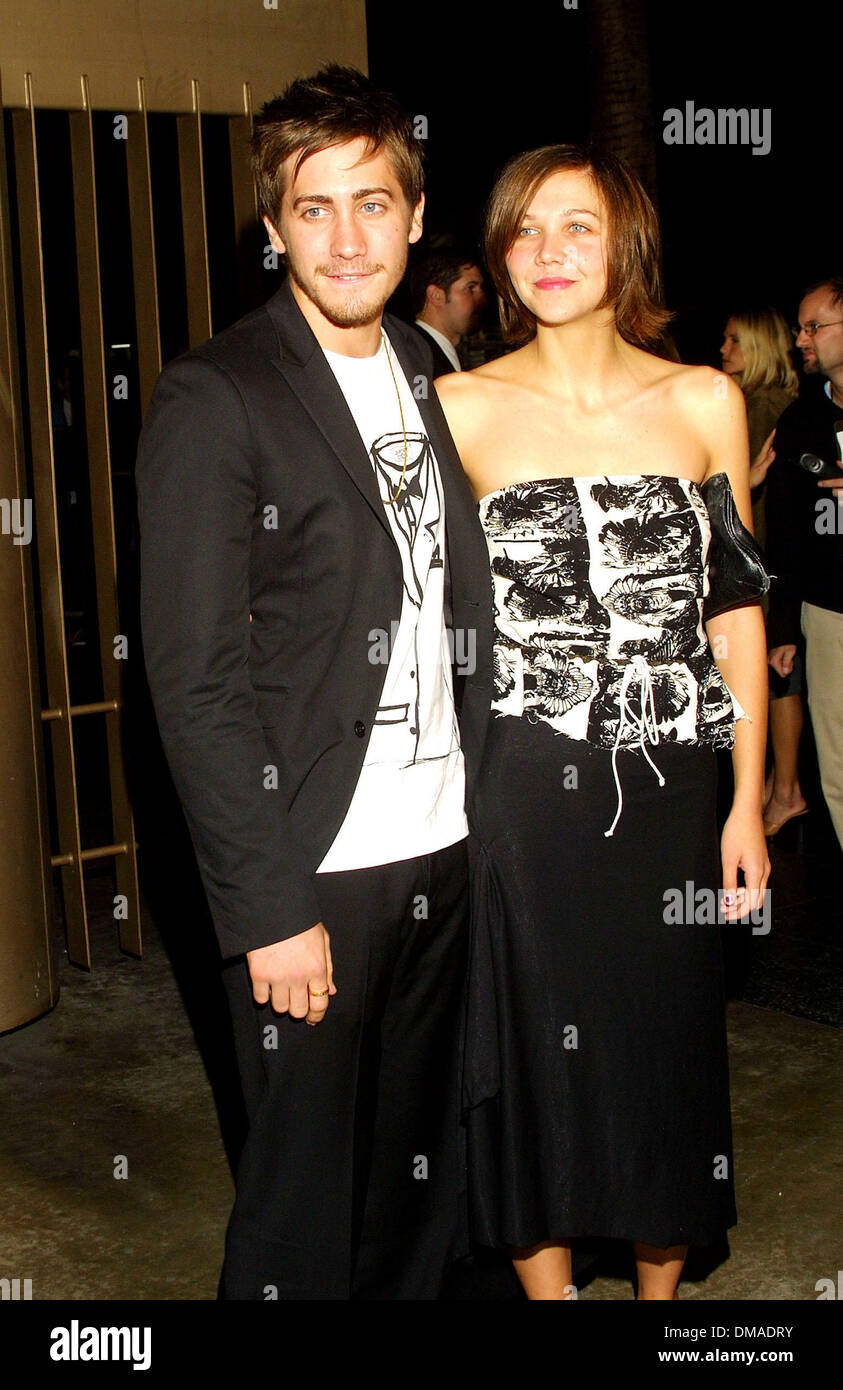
(390,502)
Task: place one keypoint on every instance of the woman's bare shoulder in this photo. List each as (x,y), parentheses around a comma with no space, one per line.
(473,402)
(711,402)
(712,406)
(675,377)
(463,401)
(473,389)
(702,395)
(701,385)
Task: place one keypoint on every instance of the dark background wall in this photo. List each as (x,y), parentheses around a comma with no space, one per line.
(737,227)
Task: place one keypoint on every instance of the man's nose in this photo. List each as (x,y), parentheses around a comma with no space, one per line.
(348,239)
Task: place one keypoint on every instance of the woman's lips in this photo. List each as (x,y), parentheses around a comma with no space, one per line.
(553,284)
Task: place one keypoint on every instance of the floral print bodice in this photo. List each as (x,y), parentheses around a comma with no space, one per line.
(598,587)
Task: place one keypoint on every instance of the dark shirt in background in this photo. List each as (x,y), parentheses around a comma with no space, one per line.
(763,409)
(802,552)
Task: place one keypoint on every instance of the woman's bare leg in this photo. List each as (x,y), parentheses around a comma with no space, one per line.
(786,721)
(658,1270)
(544,1270)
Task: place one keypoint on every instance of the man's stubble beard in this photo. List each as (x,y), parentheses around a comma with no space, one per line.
(355,311)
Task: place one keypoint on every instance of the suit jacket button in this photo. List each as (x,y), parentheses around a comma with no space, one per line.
(359,728)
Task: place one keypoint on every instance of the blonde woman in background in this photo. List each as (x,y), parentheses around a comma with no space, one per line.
(756,353)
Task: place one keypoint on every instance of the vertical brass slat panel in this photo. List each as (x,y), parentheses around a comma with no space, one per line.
(143,251)
(194,226)
(102,511)
(248,228)
(28,978)
(46,515)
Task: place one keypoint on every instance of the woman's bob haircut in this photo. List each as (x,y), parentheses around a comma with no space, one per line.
(633,287)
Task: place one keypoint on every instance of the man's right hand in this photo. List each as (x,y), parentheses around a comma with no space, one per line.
(294,974)
(781,659)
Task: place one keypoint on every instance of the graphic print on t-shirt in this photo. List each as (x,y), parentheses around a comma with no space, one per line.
(410,795)
(409,484)
(417,502)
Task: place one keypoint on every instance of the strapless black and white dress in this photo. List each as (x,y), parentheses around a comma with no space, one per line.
(596,1082)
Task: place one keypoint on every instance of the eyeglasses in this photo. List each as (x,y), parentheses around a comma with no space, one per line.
(811,329)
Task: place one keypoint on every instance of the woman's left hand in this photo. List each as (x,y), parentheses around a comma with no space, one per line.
(760,466)
(743,846)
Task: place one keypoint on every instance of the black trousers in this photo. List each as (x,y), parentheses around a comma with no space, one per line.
(348,1184)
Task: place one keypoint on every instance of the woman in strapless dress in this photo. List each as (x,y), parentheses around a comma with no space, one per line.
(596,1083)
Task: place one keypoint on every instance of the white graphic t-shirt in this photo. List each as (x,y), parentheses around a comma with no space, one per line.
(410,796)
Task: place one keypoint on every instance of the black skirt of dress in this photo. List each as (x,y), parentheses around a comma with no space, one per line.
(596,1082)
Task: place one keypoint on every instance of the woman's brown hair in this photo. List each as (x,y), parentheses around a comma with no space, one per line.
(633,287)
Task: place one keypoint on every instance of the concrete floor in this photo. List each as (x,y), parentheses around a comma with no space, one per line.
(116,1070)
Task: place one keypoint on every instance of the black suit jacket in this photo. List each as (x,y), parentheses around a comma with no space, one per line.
(806,559)
(256,495)
(441,364)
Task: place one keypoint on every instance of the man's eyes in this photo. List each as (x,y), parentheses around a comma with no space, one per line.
(314,214)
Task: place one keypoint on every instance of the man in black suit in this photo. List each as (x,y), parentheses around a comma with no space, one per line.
(317,631)
(448,298)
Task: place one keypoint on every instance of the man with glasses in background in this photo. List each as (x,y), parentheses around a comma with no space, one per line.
(805,534)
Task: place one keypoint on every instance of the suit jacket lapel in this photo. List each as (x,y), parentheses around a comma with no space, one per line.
(304,368)
(398,334)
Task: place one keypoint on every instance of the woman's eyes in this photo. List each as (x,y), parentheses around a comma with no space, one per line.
(572,226)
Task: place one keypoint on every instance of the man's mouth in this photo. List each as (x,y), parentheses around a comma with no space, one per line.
(350,277)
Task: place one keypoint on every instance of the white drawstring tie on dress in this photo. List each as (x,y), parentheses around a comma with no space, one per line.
(637,668)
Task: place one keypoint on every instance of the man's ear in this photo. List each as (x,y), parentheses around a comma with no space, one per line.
(274,239)
(416,221)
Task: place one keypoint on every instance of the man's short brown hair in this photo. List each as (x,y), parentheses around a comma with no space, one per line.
(833,283)
(633,287)
(335,106)
(441,268)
